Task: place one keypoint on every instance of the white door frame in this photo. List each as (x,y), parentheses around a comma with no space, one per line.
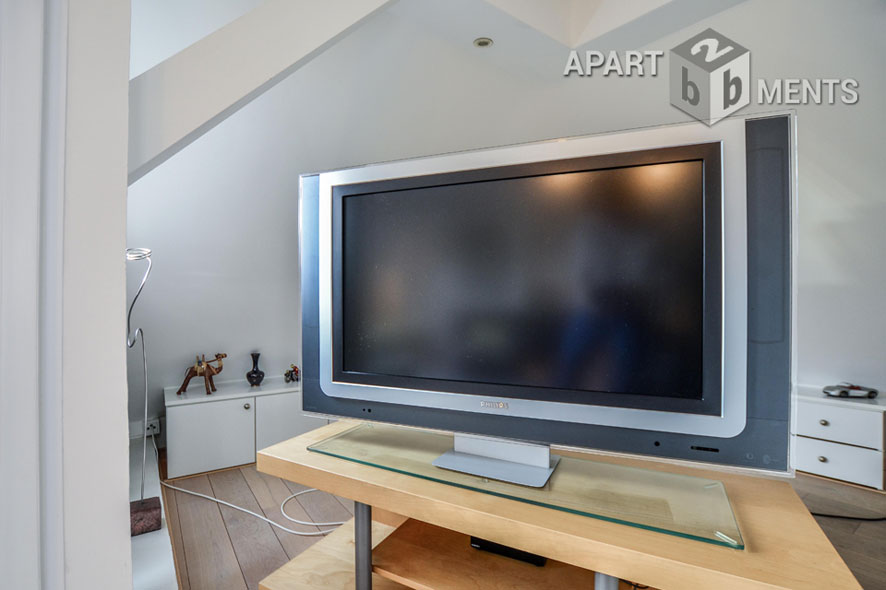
(64,77)
(21,57)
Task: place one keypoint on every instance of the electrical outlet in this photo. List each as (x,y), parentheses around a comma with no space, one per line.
(153,427)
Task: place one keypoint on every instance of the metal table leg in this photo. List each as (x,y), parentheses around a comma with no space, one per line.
(604,582)
(363,546)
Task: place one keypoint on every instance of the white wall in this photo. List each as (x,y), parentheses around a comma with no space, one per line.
(162,28)
(221,215)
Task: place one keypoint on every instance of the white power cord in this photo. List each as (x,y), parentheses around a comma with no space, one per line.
(250,512)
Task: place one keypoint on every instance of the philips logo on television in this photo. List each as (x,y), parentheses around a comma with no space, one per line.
(710,76)
(494,405)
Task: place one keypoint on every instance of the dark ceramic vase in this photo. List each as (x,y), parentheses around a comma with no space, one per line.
(256,375)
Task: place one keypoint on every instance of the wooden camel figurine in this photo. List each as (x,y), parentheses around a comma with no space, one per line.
(203,368)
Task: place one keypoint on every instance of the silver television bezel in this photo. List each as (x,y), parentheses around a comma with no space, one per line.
(731,421)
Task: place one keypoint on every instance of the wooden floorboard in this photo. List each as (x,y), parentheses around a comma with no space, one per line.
(828,495)
(220,548)
(175,534)
(870,573)
(348,504)
(211,560)
(257,548)
(217,547)
(270,493)
(861,544)
(872,531)
(845,527)
(320,506)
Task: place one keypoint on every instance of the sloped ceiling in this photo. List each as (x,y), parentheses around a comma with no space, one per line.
(177,100)
(575,22)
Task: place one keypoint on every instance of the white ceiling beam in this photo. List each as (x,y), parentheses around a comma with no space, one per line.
(611,28)
(180,99)
(554,18)
(607,16)
(629,25)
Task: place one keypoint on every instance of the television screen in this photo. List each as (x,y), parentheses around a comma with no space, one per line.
(556,286)
(625,291)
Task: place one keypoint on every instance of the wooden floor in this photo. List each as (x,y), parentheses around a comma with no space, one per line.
(861,544)
(219,548)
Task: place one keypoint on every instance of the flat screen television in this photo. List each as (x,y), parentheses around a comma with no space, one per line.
(592,280)
(598,281)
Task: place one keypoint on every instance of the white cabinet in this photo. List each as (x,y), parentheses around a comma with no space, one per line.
(839,461)
(840,438)
(208,436)
(848,425)
(279,417)
(225,429)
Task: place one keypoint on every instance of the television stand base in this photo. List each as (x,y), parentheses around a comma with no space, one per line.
(504,460)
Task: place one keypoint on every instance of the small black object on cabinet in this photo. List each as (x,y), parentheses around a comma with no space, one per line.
(256,375)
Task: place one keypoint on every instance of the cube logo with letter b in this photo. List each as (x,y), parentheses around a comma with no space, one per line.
(710,76)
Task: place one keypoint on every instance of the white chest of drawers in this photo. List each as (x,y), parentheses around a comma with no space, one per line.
(209,432)
(840,438)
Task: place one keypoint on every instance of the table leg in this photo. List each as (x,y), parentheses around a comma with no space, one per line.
(604,582)
(363,546)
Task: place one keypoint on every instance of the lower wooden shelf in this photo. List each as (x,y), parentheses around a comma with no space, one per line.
(412,554)
(427,557)
(329,564)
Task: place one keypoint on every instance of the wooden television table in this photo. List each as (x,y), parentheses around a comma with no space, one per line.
(423,525)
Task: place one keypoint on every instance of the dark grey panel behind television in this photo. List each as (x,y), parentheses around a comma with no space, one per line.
(764,443)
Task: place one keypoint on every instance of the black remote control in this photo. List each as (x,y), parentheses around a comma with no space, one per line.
(504,550)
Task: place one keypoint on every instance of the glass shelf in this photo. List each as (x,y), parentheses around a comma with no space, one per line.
(681,505)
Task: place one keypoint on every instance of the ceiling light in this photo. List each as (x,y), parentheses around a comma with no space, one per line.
(482,42)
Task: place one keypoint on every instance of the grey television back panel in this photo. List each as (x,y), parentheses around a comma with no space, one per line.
(763,444)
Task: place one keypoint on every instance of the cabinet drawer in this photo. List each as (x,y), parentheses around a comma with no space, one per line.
(846,425)
(862,466)
(207,436)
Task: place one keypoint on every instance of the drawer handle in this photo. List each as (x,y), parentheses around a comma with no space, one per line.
(246,406)
(824,422)
(822,459)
